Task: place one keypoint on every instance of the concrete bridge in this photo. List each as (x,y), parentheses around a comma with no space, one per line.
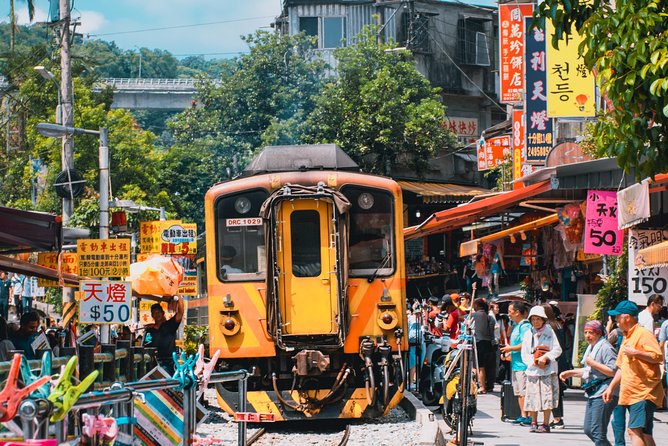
(156,94)
(133,93)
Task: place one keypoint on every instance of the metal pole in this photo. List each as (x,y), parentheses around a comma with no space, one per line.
(67,147)
(28,413)
(105,333)
(242,408)
(189,413)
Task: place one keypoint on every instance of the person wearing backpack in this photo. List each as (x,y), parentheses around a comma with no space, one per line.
(484,335)
(517,311)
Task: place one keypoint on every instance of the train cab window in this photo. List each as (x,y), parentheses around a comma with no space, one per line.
(371,243)
(305,238)
(240,246)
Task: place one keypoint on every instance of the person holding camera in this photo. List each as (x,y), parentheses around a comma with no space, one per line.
(540,351)
(597,372)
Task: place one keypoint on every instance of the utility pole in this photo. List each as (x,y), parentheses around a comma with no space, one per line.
(67,150)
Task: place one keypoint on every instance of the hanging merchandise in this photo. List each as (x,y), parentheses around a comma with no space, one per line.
(634,204)
(571,226)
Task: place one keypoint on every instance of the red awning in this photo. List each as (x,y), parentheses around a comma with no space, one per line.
(457,217)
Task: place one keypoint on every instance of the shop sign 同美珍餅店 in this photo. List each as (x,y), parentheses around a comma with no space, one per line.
(511,49)
(602,235)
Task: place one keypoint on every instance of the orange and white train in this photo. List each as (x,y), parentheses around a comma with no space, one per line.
(306,285)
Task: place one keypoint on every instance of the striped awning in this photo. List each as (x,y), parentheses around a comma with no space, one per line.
(655,255)
(441,192)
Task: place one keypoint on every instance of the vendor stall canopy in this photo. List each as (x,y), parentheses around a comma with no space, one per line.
(28,231)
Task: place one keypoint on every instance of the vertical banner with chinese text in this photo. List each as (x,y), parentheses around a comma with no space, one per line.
(601,233)
(539,134)
(511,50)
(570,84)
(519,151)
(647,281)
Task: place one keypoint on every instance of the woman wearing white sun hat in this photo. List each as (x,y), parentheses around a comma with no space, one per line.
(540,350)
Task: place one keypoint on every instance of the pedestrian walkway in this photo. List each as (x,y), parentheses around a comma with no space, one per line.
(489,430)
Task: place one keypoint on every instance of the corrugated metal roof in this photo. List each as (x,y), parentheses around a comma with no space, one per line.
(441,192)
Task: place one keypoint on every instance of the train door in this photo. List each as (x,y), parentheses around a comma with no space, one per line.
(306,256)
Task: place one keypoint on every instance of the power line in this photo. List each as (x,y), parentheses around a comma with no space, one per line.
(180,26)
(465,75)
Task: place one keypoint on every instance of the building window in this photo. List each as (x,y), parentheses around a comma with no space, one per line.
(330,32)
(472,48)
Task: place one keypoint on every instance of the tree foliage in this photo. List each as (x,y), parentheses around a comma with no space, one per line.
(272,86)
(380,109)
(626,43)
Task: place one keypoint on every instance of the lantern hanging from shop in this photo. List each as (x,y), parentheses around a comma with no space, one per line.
(119,221)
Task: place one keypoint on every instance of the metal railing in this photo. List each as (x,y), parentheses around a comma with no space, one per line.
(118,386)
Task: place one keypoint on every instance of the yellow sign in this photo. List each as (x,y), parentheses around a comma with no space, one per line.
(104,258)
(168,237)
(570,84)
(68,264)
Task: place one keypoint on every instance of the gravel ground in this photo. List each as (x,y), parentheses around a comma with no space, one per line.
(396,429)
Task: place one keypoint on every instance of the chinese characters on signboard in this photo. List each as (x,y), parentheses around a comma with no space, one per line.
(493,152)
(511,28)
(601,233)
(647,281)
(538,124)
(104,258)
(570,85)
(462,126)
(518,146)
(68,264)
(104,302)
(168,237)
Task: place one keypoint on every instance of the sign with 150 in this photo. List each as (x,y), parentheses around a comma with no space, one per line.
(105,302)
(647,281)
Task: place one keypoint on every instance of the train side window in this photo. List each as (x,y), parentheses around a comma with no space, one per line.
(372,241)
(305,237)
(240,244)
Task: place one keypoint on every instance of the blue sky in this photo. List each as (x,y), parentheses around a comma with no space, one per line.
(189,22)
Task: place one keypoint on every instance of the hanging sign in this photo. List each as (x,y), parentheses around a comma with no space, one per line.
(104,258)
(601,233)
(493,152)
(168,237)
(69,263)
(645,282)
(511,49)
(570,84)
(105,302)
(519,149)
(538,124)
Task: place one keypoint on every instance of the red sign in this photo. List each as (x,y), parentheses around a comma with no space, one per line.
(511,42)
(493,152)
(602,235)
(519,150)
(252,417)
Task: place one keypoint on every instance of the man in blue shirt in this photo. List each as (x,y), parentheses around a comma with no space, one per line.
(517,311)
(26,334)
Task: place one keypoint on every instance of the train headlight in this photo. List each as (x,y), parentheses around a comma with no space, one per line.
(242,205)
(387,319)
(230,325)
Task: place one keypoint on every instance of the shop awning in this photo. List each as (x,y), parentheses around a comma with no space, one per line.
(465,214)
(471,247)
(656,255)
(26,231)
(441,192)
(19,266)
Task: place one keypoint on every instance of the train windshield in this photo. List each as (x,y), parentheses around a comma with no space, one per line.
(372,240)
(240,246)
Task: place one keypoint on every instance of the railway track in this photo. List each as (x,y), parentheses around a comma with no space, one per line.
(258,436)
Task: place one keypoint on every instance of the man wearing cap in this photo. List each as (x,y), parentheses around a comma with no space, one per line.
(638,373)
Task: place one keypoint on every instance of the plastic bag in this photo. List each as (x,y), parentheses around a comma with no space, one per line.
(156,275)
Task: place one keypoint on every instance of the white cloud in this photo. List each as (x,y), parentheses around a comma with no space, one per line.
(41,15)
(91,21)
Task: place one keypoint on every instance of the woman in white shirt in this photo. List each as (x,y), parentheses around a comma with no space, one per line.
(540,350)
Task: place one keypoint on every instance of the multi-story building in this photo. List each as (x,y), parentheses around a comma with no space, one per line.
(454,45)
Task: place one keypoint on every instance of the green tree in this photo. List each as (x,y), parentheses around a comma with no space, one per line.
(380,109)
(626,43)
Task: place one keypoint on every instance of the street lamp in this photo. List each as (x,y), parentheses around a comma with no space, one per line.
(61,131)
(49,76)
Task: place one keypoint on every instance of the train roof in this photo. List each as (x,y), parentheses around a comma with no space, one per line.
(300,158)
